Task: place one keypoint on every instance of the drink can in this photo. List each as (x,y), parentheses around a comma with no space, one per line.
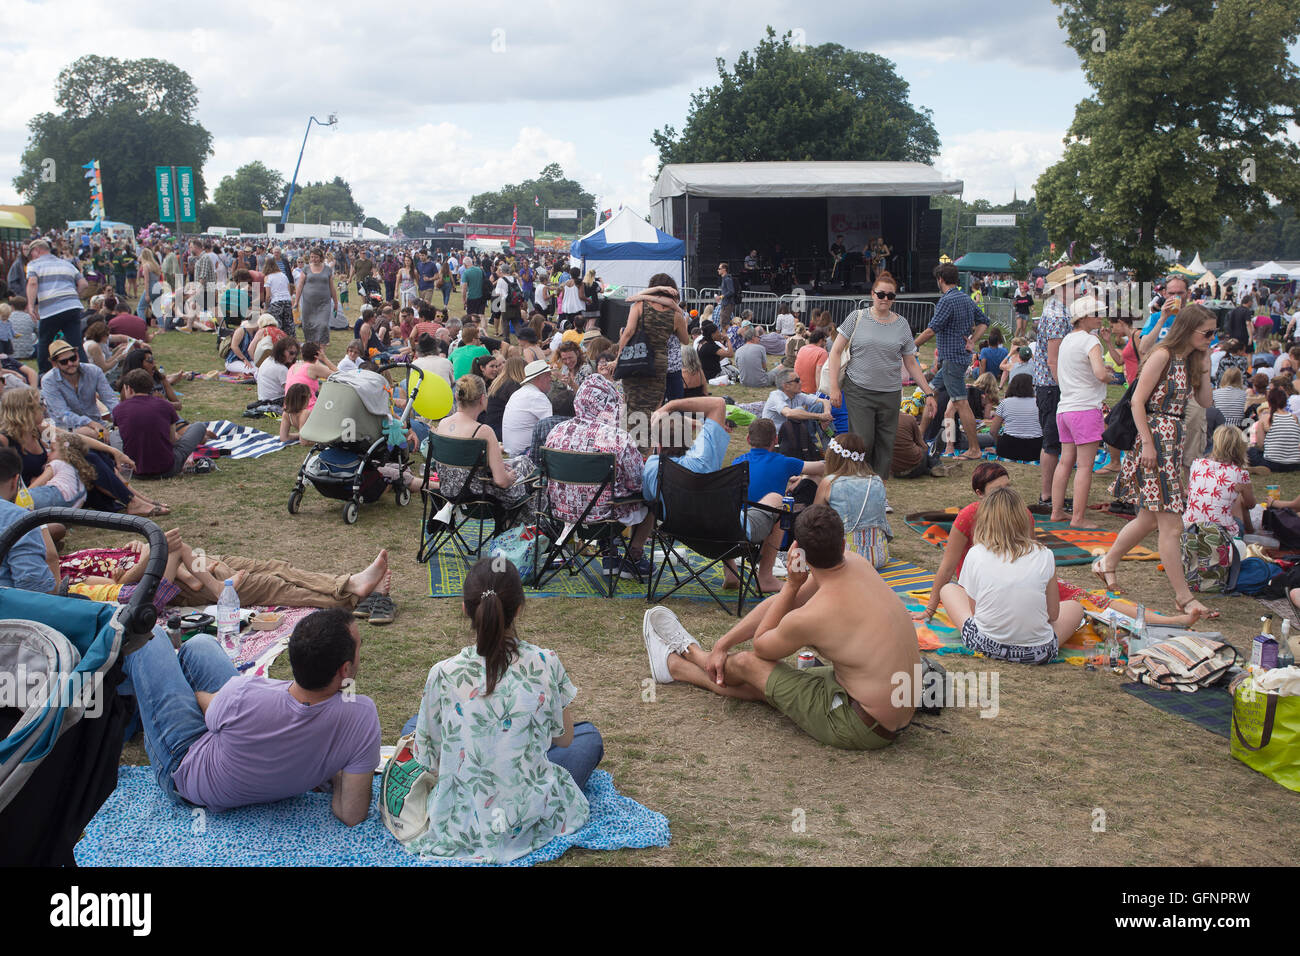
(1274,493)
(806,660)
(787,519)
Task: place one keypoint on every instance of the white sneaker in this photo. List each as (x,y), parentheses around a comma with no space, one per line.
(663,635)
(889,509)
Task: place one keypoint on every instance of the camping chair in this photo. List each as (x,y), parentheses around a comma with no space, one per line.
(705,513)
(445,517)
(575,545)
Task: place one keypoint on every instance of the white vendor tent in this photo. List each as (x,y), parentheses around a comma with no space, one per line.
(1196,266)
(626,251)
(1269,270)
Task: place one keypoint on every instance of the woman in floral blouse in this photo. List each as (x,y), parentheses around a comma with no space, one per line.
(495,726)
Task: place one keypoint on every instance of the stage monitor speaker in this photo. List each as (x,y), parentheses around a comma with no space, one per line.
(928,230)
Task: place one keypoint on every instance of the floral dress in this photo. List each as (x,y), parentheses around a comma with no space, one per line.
(498,797)
(1159,488)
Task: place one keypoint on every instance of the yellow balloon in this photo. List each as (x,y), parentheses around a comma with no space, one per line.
(433,398)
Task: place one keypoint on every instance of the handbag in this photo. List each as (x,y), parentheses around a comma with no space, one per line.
(1266,732)
(1121,431)
(1210,562)
(1186,662)
(823,376)
(636,360)
(404,789)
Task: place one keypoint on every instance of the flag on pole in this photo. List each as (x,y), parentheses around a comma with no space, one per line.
(96,185)
(536,201)
(514,226)
(606,214)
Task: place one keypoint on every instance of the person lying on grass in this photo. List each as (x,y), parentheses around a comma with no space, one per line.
(219,742)
(181,564)
(833,601)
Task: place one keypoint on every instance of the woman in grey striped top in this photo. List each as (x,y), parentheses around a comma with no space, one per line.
(880,343)
(1230,396)
(1015,423)
(1277,437)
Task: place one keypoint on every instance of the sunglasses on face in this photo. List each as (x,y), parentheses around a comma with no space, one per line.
(1208,333)
(65,361)
(886,295)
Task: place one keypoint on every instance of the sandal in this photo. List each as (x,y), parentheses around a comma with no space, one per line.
(382,609)
(1207,615)
(1107,578)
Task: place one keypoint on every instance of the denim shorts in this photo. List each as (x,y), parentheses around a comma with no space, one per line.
(953,377)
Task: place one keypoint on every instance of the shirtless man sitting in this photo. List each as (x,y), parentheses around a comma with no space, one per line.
(847,704)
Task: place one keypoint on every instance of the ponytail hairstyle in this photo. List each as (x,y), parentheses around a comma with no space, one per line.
(492,601)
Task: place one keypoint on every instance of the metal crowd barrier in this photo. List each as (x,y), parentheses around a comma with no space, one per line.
(1001,312)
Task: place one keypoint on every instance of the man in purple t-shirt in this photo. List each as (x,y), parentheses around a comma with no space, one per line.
(218,740)
(146,423)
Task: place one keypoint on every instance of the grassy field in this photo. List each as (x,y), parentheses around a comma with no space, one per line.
(733,778)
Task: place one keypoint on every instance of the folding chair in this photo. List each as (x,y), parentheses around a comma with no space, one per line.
(444,517)
(705,513)
(575,545)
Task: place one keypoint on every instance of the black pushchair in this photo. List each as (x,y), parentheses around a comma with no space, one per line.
(60,713)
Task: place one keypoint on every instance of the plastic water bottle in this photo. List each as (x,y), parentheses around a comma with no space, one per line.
(228,619)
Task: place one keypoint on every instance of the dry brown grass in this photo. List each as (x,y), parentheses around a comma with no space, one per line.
(1020,788)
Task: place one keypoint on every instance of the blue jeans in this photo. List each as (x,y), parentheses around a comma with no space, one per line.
(580,758)
(48,496)
(164,683)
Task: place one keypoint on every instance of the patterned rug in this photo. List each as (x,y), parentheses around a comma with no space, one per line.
(1068,545)
(138,826)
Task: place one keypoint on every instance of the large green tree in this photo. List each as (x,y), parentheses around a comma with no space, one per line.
(324,202)
(783,101)
(413,223)
(1187,124)
(1276,237)
(454,214)
(550,190)
(240,198)
(131,115)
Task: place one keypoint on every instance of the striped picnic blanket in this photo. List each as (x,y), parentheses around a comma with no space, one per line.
(244,441)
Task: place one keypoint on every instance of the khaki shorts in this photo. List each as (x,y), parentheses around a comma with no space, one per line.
(809,698)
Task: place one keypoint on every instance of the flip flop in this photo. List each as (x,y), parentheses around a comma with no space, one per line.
(382,610)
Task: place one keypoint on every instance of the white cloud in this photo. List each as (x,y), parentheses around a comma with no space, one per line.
(994,162)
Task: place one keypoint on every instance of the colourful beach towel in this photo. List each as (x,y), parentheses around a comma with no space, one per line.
(1068,545)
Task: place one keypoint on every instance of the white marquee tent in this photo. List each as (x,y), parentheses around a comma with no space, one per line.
(626,251)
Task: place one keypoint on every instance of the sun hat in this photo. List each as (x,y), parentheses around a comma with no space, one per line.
(59,346)
(534,369)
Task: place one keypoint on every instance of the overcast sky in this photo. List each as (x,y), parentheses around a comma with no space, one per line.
(436,104)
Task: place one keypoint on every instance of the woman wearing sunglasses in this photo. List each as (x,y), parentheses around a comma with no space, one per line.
(880,344)
(1174,374)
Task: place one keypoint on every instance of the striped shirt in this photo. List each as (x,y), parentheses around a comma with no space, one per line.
(56,284)
(1232,403)
(876,350)
(1282,443)
(1019,417)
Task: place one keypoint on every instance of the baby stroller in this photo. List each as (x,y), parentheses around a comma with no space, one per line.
(370,287)
(359,451)
(59,755)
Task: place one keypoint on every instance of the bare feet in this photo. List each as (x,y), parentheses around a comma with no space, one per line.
(769,584)
(1088,525)
(366,582)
